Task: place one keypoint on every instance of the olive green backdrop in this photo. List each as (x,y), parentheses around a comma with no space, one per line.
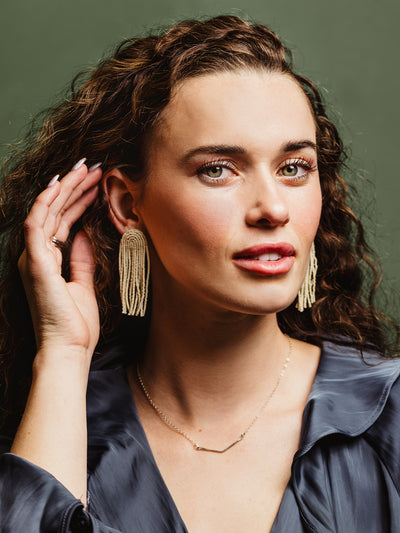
(349,47)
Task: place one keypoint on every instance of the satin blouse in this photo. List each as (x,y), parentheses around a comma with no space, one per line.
(345,475)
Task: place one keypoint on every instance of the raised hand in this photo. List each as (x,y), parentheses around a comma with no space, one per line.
(52,433)
(64,314)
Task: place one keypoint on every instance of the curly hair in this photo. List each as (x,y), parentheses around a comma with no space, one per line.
(109,114)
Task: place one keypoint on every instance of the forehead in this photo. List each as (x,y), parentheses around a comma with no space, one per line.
(254,108)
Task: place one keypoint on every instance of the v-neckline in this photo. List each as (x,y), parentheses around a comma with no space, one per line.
(146,444)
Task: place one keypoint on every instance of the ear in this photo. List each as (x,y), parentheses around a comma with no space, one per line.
(122,195)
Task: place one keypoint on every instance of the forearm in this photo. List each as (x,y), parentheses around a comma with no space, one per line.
(53,433)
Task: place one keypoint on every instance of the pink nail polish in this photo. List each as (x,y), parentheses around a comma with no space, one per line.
(79,163)
(53,181)
(93,167)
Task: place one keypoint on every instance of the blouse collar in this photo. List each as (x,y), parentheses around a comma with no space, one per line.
(349,393)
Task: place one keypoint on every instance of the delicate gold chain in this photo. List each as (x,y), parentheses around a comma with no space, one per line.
(196,446)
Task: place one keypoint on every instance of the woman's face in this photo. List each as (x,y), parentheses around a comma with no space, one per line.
(232,201)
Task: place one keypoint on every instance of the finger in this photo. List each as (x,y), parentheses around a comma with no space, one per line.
(75,212)
(89,181)
(82,262)
(35,236)
(68,185)
(73,186)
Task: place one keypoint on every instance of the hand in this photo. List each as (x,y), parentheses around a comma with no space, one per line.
(65,315)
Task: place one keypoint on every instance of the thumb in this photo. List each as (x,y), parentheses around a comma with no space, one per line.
(82,260)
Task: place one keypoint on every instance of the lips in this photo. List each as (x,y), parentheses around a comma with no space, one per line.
(266,259)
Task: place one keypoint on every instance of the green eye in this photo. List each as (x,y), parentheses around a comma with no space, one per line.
(214,172)
(290,170)
(217,172)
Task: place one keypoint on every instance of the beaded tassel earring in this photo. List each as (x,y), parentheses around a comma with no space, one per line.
(134,272)
(306,294)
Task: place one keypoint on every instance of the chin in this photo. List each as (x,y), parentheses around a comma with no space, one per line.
(271,309)
(271,300)
(260,306)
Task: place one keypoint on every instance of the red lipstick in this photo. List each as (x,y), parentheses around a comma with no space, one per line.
(269,259)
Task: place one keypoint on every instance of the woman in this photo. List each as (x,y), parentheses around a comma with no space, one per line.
(248,398)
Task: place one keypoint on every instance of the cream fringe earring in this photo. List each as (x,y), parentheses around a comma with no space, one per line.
(134,272)
(306,295)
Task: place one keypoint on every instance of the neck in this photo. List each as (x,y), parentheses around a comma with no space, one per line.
(203,365)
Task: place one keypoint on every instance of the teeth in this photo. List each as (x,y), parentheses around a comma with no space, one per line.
(270,257)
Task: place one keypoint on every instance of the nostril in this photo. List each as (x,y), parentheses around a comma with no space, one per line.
(264,221)
(273,221)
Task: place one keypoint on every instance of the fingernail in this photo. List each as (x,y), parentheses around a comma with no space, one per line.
(79,163)
(93,167)
(53,180)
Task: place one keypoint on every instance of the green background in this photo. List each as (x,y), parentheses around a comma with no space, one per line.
(349,48)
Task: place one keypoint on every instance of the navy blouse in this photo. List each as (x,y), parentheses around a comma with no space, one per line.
(345,476)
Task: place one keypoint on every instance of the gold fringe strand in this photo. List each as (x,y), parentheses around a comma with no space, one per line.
(306,295)
(134,272)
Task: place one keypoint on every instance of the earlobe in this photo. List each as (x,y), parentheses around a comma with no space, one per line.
(121,194)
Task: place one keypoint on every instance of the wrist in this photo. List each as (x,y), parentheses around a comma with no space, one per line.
(61,359)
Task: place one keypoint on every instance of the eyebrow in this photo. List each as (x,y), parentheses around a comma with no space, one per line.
(293,146)
(223,149)
(219,149)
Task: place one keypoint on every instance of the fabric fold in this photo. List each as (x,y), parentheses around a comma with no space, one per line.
(345,475)
(32,500)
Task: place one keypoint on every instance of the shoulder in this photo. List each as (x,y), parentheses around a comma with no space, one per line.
(352,391)
(347,470)
(384,434)
(355,398)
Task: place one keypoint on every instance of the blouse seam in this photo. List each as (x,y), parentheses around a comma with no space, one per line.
(66,515)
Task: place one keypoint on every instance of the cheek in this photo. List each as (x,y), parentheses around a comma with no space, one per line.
(193,223)
(306,214)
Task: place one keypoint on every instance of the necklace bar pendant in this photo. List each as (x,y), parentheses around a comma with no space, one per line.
(210,450)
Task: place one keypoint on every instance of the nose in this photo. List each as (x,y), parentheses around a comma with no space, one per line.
(268,204)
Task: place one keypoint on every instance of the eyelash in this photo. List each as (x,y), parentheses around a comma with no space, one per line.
(306,164)
(223,164)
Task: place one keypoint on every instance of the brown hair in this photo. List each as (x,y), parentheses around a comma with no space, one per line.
(108,118)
